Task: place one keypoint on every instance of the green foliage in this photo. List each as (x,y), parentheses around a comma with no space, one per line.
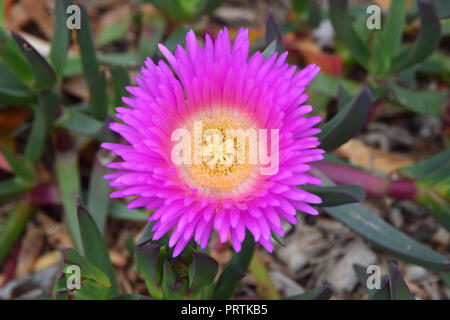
(392,287)
(94,284)
(347,122)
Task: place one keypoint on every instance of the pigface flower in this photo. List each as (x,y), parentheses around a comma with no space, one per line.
(217,140)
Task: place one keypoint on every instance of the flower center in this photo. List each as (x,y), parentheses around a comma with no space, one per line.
(223,151)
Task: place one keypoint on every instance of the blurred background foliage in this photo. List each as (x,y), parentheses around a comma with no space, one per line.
(384,98)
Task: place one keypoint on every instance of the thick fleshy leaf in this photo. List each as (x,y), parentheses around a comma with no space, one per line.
(426,43)
(153,26)
(384,292)
(60,38)
(329,85)
(147,236)
(184,9)
(12,90)
(77,121)
(398,288)
(428,166)
(21,168)
(120,79)
(392,30)
(337,195)
(202,272)
(147,259)
(68,176)
(322,293)
(118,210)
(173,285)
(94,246)
(227,282)
(361,273)
(343,27)
(13,227)
(44,115)
(12,187)
(273,33)
(234,271)
(88,57)
(95,285)
(44,76)
(99,190)
(13,57)
(88,269)
(347,122)
(373,228)
(270,49)
(98,103)
(423,102)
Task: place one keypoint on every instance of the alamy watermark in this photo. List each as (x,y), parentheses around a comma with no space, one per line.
(74,279)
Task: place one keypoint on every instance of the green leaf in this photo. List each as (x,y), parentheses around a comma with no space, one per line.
(337,195)
(118,210)
(176,37)
(22,168)
(147,258)
(273,33)
(347,122)
(13,227)
(384,292)
(94,285)
(98,104)
(329,85)
(180,10)
(227,282)
(423,102)
(152,31)
(342,26)
(88,269)
(270,49)
(234,271)
(127,296)
(60,38)
(427,166)
(88,57)
(113,32)
(426,43)
(77,121)
(173,285)
(380,62)
(13,57)
(44,77)
(98,194)
(44,115)
(373,228)
(12,90)
(322,293)
(361,273)
(392,30)
(398,288)
(68,176)
(94,246)
(120,79)
(12,187)
(202,272)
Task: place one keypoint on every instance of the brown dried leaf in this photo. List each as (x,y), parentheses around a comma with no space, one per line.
(372,159)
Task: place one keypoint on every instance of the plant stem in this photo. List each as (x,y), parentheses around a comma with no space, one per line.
(374,185)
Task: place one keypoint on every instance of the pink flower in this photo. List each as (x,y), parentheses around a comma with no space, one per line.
(219,85)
